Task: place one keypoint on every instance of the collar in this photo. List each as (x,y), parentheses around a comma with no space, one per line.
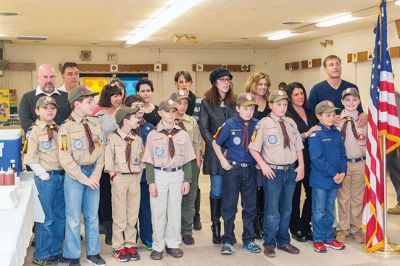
(237,118)
(160,126)
(122,134)
(324,128)
(76,117)
(185,118)
(39,91)
(42,125)
(345,114)
(276,118)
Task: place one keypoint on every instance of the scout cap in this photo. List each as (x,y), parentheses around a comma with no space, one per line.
(179,95)
(325,107)
(350,91)
(45,100)
(277,95)
(167,105)
(123,111)
(218,73)
(78,92)
(245,99)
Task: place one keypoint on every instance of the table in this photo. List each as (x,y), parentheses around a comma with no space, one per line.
(16,224)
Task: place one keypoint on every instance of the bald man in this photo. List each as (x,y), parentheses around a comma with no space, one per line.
(46,80)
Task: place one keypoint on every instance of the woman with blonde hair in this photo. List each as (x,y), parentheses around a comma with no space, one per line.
(258,84)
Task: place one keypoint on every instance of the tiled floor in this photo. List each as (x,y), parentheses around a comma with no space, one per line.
(205,253)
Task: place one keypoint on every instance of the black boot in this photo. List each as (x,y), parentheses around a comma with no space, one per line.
(215,206)
(108,232)
(196,221)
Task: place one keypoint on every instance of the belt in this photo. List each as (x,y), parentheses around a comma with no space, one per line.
(356,160)
(127,173)
(56,172)
(243,165)
(169,169)
(87,167)
(280,167)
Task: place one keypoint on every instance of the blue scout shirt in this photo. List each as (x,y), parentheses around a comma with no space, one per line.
(328,157)
(144,132)
(231,135)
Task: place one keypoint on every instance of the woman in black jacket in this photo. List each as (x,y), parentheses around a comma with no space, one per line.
(306,122)
(217,106)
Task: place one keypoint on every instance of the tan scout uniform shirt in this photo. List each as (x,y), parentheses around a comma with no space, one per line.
(75,151)
(192,128)
(156,151)
(355,147)
(269,141)
(115,160)
(40,149)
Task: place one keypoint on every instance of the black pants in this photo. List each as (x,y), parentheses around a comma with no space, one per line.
(105,208)
(297,221)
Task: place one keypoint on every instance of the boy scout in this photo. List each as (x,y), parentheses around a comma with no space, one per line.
(81,152)
(123,163)
(350,196)
(42,157)
(276,145)
(240,175)
(168,155)
(328,168)
(143,130)
(188,124)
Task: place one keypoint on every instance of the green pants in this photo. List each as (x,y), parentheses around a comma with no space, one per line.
(188,209)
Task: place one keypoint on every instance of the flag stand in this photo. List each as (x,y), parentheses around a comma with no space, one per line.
(388,248)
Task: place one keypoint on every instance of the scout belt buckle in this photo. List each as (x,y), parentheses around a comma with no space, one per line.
(243,165)
(279,167)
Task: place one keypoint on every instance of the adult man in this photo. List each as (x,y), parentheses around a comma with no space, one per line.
(46,86)
(332,88)
(70,76)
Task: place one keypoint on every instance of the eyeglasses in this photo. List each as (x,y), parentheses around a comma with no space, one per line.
(224,80)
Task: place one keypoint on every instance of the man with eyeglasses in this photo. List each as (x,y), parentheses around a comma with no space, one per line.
(70,76)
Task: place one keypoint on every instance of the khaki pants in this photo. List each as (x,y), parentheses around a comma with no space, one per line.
(350,198)
(125,199)
(188,208)
(166,210)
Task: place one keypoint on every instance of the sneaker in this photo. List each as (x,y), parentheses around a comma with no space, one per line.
(74,262)
(43,262)
(341,236)
(253,247)
(394,210)
(227,249)
(58,259)
(96,260)
(147,245)
(319,247)
(120,255)
(133,254)
(335,245)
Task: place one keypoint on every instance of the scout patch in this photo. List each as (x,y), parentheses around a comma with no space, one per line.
(272,139)
(160,151)
(236,140)
(253,136)
(46,145)
(216,135)
(63,143)
(78,144)
(25,147)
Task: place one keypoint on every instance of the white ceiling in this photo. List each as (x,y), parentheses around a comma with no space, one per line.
(216,23)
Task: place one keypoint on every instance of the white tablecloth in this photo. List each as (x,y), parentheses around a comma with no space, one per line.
(16,224)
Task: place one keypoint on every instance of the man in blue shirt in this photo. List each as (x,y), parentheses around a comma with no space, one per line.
(332,88)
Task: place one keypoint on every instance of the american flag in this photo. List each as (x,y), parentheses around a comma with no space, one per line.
(382,120)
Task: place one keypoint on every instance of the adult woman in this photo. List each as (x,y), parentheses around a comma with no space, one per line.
(145,89)
(112,96)
(306,124)
(217,106)
(258,84)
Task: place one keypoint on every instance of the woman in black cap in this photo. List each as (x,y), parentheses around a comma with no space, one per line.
(217,106)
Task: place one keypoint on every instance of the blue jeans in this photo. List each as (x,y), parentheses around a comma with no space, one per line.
(278,194)
(146,230)
(235,181)
(323,216)
(49,235)
(216,186)
(81,197)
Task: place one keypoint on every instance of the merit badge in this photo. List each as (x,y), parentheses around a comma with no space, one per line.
(78,144)
(272,139)
(236,140)
(160,151)
(46,145)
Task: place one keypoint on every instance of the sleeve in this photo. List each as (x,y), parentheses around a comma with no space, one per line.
(65,155)
(31,155)
(148,155)
(100,160)
(317,157)
(204,124)
(299,140)
(150,176)
(222,134)
(187,172)
(189,150)
(312,99)
(24,112)
(343,156)
(256,142)
(109,157)
(196,136)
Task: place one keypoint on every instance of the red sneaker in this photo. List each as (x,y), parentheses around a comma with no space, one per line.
(335,245)
(133,254)
(120,255)
(319,247)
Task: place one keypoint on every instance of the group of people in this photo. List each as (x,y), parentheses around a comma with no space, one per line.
(133,166)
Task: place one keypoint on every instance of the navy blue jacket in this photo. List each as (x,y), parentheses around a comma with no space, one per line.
(328,157)
(231,136)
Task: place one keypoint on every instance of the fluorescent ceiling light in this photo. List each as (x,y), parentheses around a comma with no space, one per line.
(340,19)
(176,9)
(280,35)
